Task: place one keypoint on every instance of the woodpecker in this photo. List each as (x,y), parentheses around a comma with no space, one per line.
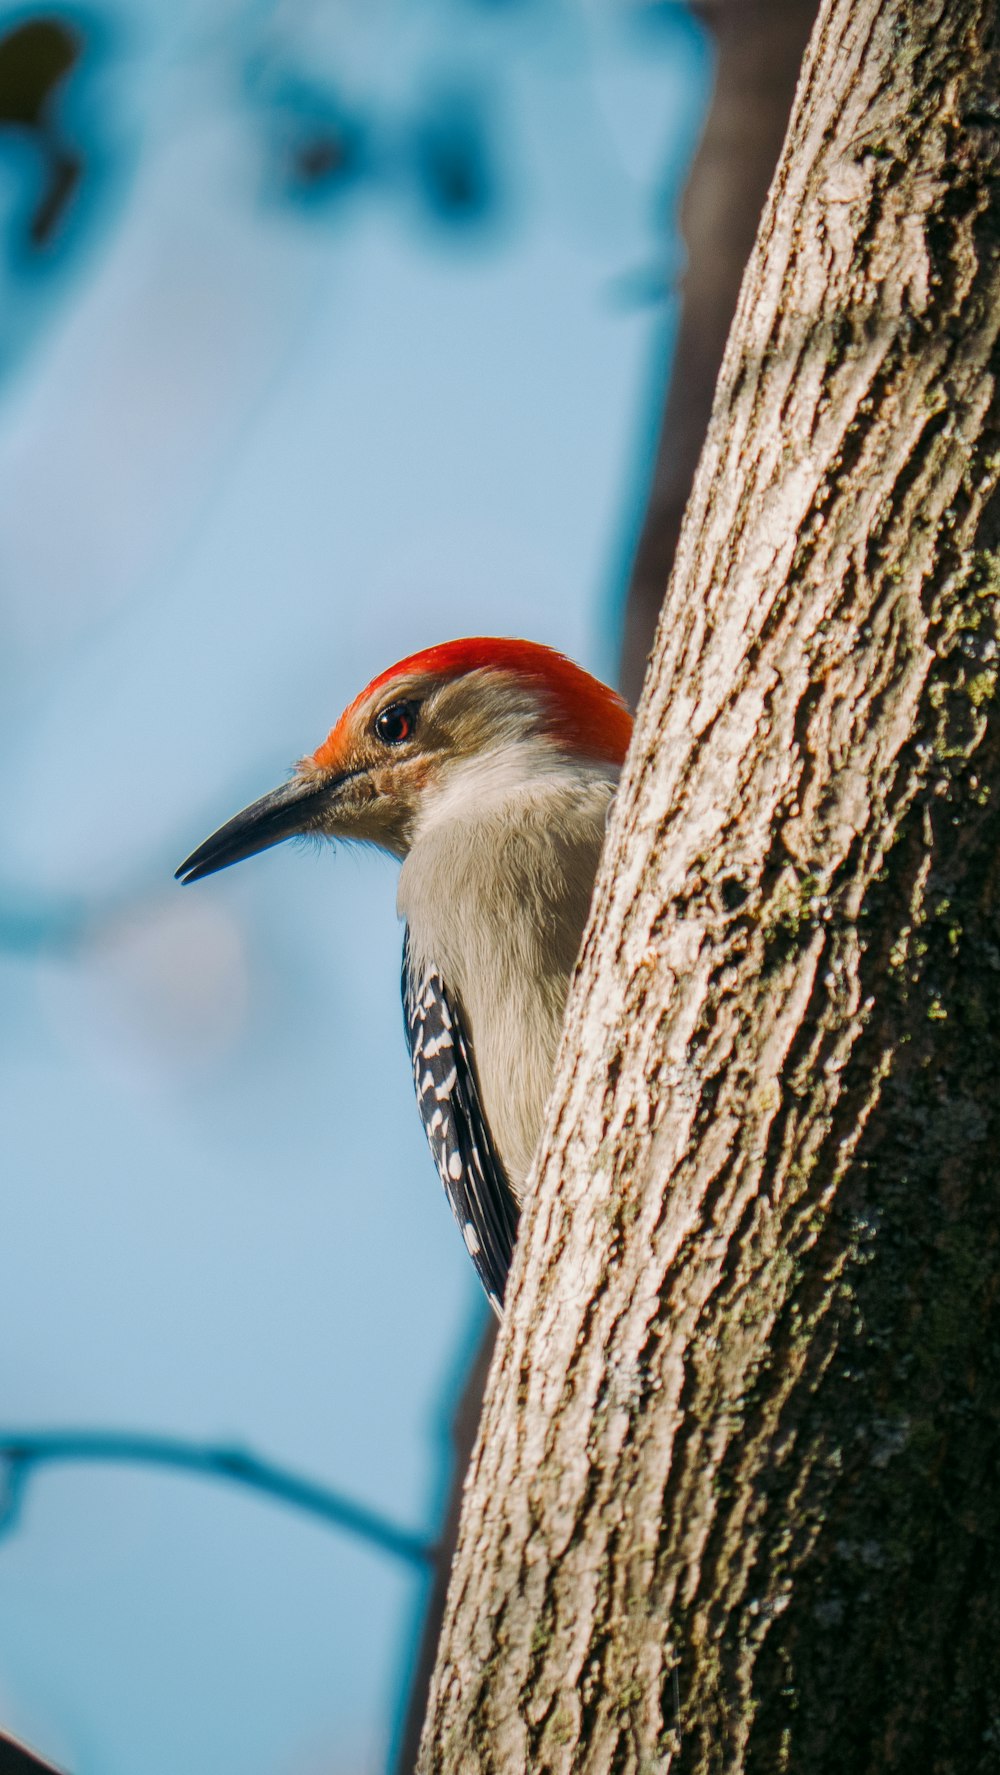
(487,767)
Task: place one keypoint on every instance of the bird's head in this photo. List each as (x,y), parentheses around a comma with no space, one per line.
(483,704)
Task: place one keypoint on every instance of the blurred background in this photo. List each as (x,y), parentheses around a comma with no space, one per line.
(328,330)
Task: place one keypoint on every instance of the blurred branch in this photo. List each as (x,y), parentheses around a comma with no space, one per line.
(36,55)
(22,1453)
(759,45)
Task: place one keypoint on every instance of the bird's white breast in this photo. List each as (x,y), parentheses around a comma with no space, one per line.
(495,891)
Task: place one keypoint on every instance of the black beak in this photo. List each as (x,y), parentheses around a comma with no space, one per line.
(285,812)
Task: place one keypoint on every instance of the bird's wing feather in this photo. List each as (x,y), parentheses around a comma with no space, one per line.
(448,1100)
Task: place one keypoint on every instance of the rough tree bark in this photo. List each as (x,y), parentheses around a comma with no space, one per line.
(735,1499)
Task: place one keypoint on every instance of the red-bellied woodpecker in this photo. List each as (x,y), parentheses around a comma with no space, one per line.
(487,767)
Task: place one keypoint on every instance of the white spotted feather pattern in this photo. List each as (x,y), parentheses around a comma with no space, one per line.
(475,1182)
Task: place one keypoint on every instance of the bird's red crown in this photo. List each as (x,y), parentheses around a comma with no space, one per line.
(586,716)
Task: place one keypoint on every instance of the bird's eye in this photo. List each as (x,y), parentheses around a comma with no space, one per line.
(396,723)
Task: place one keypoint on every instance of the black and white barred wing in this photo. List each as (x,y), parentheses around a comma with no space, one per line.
(448,1100)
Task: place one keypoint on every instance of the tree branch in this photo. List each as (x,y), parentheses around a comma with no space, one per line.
(23,1452)
(758,46)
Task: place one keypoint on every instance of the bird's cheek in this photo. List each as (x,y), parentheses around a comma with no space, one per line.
(385,814)
(354,805)
(379,786)
(360,811)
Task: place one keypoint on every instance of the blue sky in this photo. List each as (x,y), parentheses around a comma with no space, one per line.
(255,443)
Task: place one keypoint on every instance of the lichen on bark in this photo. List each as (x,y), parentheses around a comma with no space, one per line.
(735,1502)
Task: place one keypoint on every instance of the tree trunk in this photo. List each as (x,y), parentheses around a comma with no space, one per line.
(758,48)
(735,1503)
